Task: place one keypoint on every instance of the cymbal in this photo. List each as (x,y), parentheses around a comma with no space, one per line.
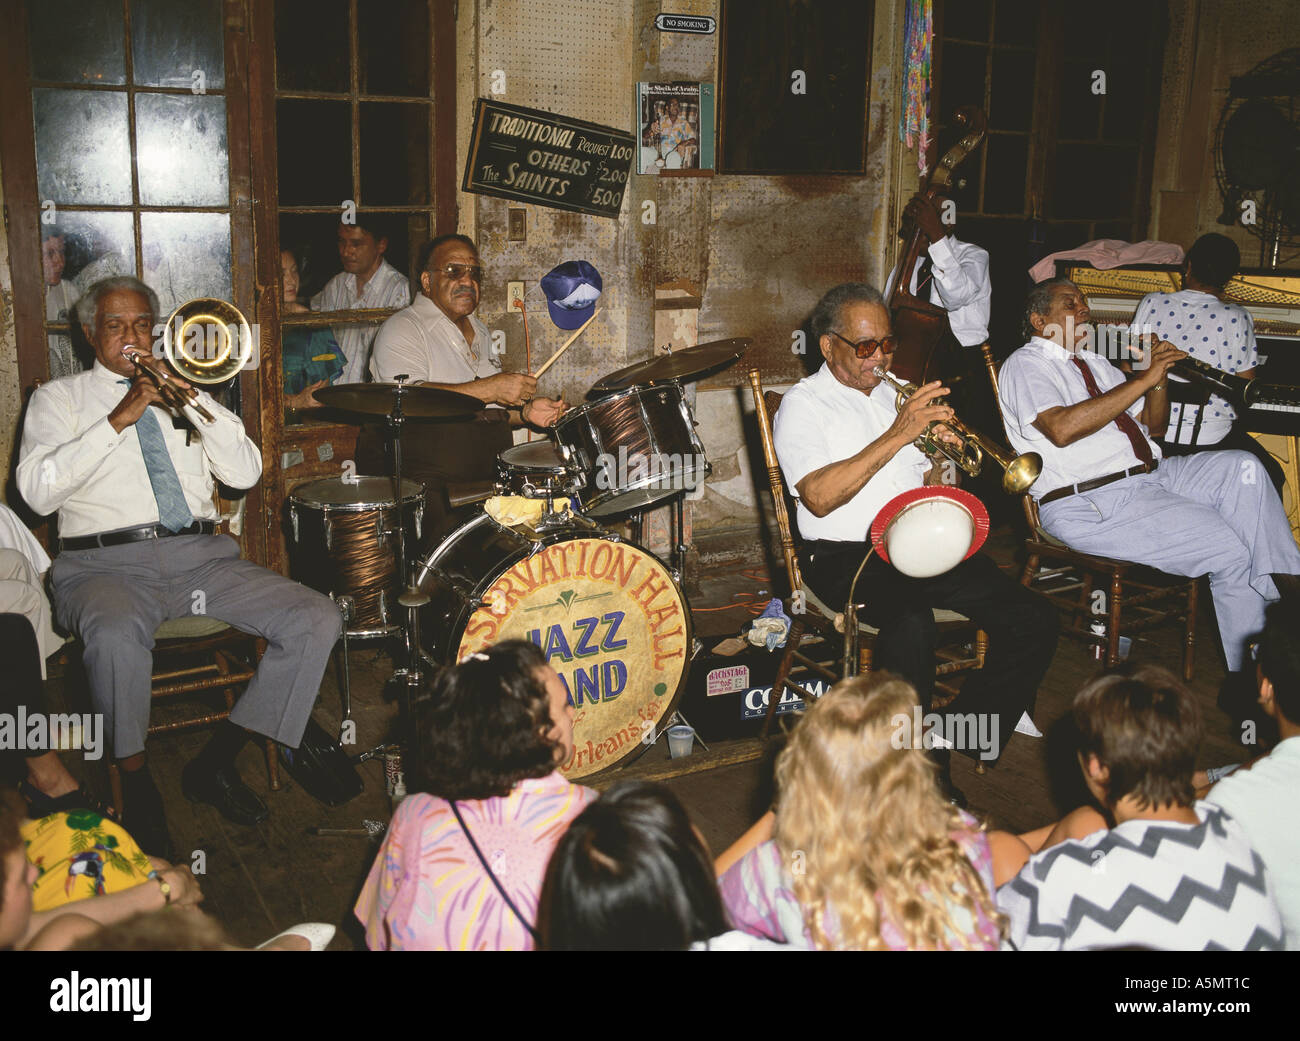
(380,399)
(690,363)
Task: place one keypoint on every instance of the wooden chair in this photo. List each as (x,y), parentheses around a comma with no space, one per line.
(193,656)
(1135,598)
(812,621)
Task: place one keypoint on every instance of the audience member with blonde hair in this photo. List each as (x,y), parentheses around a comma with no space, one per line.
(863,852)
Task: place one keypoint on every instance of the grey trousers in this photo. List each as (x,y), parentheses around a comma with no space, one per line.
(1214,512)
(114,599)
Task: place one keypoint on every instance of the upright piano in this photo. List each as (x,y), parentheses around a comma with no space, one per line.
(1273,300)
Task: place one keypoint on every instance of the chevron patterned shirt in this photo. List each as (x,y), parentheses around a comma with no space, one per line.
(1145,883)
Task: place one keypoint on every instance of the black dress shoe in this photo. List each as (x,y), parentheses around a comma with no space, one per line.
(149,829)
(223,789)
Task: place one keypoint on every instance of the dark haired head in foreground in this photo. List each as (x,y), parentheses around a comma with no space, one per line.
(630,873)
(1142,727)
(489,723)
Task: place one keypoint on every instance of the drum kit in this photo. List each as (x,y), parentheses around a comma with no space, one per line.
(535,561)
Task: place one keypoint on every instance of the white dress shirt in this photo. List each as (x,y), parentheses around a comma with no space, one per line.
(428,346)
(1262,800)
(73,461)
(960,286)
(1040,376)
(1210,330)
(387,287)
(821,421)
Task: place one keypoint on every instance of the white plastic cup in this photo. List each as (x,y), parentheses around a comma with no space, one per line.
(680,740)
(1125,645)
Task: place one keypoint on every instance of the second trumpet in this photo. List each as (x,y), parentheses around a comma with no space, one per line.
(1019,471)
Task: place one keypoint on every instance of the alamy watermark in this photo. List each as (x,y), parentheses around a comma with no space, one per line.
(962,731)
(666,471)
(49,732)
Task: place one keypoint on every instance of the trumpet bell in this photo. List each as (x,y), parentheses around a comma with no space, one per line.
(1022,472)
(207,340)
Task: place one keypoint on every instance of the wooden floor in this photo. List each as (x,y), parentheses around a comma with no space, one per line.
(259,880)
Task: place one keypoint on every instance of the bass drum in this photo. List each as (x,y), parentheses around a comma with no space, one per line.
(605,612)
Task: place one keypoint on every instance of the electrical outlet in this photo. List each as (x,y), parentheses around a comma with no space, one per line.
(514,291)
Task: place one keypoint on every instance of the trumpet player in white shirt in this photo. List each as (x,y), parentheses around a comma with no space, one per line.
(134,496)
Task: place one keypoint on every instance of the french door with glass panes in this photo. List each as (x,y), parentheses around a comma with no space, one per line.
(175,140)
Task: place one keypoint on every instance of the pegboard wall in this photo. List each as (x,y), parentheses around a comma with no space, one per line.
(568,56)
(574,58)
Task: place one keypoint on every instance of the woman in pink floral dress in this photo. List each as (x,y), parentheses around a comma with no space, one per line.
(463,862)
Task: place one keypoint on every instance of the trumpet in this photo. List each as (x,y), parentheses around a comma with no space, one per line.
(1019,471)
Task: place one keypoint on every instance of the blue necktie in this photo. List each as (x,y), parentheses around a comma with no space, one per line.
(173,511)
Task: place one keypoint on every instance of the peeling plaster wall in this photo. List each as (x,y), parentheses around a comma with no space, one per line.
(762,249)
(1209,42)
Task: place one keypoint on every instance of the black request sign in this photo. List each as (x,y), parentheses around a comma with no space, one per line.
(539,157)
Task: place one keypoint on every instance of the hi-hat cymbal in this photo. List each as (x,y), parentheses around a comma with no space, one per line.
(690,363)
(380,399)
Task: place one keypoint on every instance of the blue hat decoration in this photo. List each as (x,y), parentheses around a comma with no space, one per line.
(571,291)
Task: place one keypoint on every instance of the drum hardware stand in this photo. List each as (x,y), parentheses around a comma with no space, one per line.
(678,561)
(411,598)
(345,609)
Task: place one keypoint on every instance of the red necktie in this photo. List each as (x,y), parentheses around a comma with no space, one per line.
(1141,448)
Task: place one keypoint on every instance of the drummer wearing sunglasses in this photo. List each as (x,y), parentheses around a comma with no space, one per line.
(440,342)
(454,348)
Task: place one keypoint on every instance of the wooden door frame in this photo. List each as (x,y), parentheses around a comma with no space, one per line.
(275,437)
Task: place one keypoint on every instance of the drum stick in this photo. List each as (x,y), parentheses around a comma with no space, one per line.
(565,345)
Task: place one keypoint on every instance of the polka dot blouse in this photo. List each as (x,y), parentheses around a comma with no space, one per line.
(1217,333)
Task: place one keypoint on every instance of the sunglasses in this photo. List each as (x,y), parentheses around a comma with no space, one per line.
(867,348)
(458,271)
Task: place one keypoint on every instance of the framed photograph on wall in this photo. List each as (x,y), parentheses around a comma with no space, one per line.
(675,125)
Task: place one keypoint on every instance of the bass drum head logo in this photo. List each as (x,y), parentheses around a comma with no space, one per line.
(613,624)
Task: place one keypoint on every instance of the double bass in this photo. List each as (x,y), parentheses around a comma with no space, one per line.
(927,349)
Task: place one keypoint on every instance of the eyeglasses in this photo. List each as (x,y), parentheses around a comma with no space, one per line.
(458,271)
(867,348)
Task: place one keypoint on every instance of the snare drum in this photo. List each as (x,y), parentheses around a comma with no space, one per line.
(344,543)
(633,448)
(605,612)
(535,470)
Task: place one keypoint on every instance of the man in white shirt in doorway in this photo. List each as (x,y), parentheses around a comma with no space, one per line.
(366,281)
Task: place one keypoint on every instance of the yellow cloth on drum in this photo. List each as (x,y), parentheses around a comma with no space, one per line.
(512,510)
(79,855)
